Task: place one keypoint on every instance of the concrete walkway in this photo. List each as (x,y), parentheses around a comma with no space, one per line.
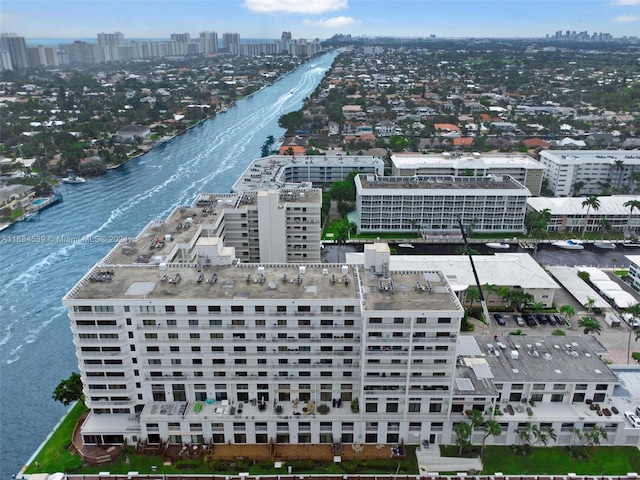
(430,461)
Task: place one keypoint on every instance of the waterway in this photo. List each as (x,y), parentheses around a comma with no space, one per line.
(41,259)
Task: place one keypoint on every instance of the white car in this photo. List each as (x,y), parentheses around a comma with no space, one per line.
(633,419)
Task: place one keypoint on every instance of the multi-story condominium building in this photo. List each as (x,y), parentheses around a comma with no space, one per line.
(568,214)
(13,52)
(229,39)
(109,46)
(43,56)
(434,204)
(208,42)
(588,172)
(634,271)
(277,171)
(220,351)
(521,168)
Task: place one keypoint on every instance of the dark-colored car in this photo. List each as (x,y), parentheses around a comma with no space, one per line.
(519,320)
(530,320)
(499,319)
(551,319)
(541,319)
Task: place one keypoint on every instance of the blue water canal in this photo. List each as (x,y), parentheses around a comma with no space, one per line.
(36,349)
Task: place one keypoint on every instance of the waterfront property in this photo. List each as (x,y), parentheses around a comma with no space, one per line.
(222,352)
(520,167)
(567,214)
(433,205)
(590,170)
(277,171)
(16,197)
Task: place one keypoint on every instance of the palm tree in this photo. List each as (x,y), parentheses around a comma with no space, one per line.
(619,164)
(590,202)
(605,227)
(493,429)
(590,325)
(472,294)
(589,304)
(631,205)
(568,311)
(634,311)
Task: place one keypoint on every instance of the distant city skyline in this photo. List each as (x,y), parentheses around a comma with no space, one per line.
(267,19)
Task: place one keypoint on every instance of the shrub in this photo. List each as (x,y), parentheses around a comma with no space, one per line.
(323,409)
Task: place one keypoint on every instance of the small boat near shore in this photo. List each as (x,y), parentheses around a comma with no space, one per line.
(405,245)
(569,244)
(631,243)
(604,244)
(498,245)
(72,178)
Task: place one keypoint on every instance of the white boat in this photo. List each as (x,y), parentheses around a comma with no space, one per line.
(631,243)
(498,246)
(405,245)
(73,179)
(569,244)
(604,244)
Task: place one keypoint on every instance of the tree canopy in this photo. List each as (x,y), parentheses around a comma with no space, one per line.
(69,390)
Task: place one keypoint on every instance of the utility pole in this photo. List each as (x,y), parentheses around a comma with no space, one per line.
(483,303)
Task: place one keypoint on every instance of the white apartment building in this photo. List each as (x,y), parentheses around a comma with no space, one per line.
(273,226)
(248,353)
(277,171)
(591,170)
(634,271)
(568,215)
(520,167)
(324,353)
(434,204)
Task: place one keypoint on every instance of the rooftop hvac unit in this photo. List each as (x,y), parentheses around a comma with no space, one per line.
(302,270)
(345,269)
(515,354)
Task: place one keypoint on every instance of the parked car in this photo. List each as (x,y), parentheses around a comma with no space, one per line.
(499,319)
(633,419)
(541,319)
(559,320)
(550,319)
(530,320)
(519,320)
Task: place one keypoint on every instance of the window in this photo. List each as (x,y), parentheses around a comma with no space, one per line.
(214,308)
(538,386)
(170,309)
(392,407)
(414,407)
(193,322)
(192,308)
(237,308)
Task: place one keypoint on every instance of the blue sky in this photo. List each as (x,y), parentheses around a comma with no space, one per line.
(318,18)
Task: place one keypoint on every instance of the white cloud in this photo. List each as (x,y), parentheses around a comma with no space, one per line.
(626,2)
(627,18)
(334,22)
(295,6)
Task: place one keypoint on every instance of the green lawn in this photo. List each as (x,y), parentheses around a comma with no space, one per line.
(556,461)
(55,455)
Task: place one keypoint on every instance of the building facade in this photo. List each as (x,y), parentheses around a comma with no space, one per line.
(434,205)
(226,352)
(568,214)
(589,172)
(521,168)
(277,171)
